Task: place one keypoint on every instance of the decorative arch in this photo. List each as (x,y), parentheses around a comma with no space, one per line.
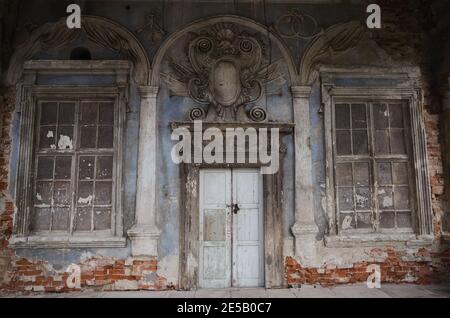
(104,32)
(202,23)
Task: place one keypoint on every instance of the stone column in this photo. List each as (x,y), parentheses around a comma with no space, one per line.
(144,234)
(304,228)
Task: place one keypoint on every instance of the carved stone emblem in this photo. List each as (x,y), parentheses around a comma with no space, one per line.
(226,74)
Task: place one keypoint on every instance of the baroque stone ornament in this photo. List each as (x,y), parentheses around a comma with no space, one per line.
(226,74)
(296,24)
(152,27)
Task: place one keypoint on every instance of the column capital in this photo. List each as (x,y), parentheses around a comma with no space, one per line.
(301,91)
(148,91)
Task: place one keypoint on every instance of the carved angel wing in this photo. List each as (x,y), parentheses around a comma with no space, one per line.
(176,87)
(178,79)
(270,74)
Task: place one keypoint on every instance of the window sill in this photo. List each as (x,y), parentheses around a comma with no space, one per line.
(66,242)
(378,239)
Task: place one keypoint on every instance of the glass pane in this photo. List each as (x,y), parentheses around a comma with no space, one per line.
(102,219)
(43,193)
(361,172)
(62,194)
(61,219)
(106,113)
(83,219)
(344,174)
(401,196)
(40,219)
(86,167)
(363,198)
(103,193)
(360,145)
(359,116)
(381,115)
(85,192)
(88,114)
(387,220)
(364,220)
(345,197)
(396,115)
(347,221)
(47,137)
(88,137)
(398,141)
(385,200)
(400,172)
(104,167)
(63,167)
(342,114)
(65,137)
(384,173)
(404,220)
(381,142)
(66,113)
(45,168)
(48,113)
(105,137)
(343,142)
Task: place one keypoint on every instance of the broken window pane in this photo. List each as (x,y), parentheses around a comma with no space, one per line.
(398,141)
(361,172)
(381,142)
(347,221)
(360,145)
(47,137)
(400,172)
(102,219)
(45,168)
(384,173)
(342,114)
(88,114)
(48,113)
(63,167)
(65,137)
(381,115)
(104,167)
(83,219)
(40,219)
(103,193)
(105,137)
(401,196)
(62,194)
(404,220)
(344,174)
(387,220)
(85,193)
(88,137)
(60,219)
(87,164)
(343,146)
(364,220)
(345,198)
(396,115)
(106,113)
(43,194)
(359,116)
(66,114)
(385,199)
(363,198)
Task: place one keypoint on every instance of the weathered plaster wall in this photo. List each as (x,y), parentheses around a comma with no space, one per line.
(44,269)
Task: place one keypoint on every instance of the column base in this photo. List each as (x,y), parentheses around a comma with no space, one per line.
(306,245)
(144,241)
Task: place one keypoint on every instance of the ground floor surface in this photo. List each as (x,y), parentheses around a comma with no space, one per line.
(306,291)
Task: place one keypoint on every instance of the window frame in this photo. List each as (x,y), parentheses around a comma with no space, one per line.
(29,95)
(421,200)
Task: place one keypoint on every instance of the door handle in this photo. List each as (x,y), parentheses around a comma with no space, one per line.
(236,208)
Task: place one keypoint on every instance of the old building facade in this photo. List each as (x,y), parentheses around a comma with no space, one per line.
(357,120)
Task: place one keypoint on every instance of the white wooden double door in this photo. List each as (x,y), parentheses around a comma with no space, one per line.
(231,228)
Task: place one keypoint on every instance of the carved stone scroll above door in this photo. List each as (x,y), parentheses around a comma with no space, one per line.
(225,74)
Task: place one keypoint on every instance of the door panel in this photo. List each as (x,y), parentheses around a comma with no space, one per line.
(214,229)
